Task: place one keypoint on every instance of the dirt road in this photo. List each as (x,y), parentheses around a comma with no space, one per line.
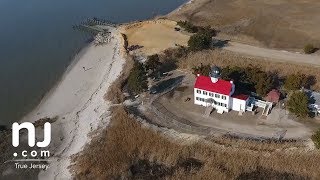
(277,55)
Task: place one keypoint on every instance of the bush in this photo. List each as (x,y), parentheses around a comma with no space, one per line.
(264,84)
(137,80)
(316,139)
(262,81)
(125,39)
(309,49)
(207,30)
(250,78)
(202,70)
(153,62)
(294,82)
(189,27)
(234,73)
(200,41)
(298,104)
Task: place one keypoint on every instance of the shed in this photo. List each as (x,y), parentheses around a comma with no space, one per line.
(273,96)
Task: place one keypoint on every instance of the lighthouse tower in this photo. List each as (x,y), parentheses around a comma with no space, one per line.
(215,74)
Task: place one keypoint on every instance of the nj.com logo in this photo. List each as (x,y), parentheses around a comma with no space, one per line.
(16,127)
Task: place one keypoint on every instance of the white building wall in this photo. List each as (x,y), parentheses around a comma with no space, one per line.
(238,104)
(199,99)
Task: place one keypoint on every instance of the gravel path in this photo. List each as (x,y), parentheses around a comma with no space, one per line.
(276,55)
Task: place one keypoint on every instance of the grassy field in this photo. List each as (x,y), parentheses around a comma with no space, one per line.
(285,24)
(129,150)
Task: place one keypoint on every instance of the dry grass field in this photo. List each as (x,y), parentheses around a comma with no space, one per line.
(285,24)
(155,36)
(129,150)
(225,58)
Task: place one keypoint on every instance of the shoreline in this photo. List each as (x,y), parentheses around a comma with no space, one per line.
(71,132)
(77,100)
(51,90)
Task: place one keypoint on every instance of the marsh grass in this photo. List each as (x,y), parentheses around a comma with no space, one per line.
(126,142)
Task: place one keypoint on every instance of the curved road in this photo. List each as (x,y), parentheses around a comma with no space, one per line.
(276,55)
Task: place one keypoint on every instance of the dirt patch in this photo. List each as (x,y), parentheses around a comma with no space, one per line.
(284,24)
(154,36)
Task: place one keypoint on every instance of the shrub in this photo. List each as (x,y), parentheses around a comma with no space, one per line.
(293,82)
(207,30)
(316,139)
(125,39)
(202,70)
(189,27)
(298,104)
(264,84)
(137,80)
(234,73)
(261,80)
(309,49)
(153,62)
(200,41)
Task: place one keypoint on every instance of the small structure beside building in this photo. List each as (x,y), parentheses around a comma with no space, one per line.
(216,93)
(273,96)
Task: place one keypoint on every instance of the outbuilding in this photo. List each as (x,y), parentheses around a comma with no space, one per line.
(273,96)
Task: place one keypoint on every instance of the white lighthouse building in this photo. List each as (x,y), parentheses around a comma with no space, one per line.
(212,91)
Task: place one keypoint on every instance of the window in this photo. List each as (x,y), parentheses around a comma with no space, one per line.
(202,99)
(219,104)
(225,105)
(197,98)
(199,91)
(211,94)
(217,95)
(204,92)
(224,97)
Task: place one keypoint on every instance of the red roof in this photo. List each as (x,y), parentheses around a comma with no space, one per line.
(241,96)
(221,86)
(273,96)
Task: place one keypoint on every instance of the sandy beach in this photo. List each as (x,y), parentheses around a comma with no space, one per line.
(77,100)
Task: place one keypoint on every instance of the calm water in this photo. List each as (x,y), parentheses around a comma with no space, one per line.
(37,43)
